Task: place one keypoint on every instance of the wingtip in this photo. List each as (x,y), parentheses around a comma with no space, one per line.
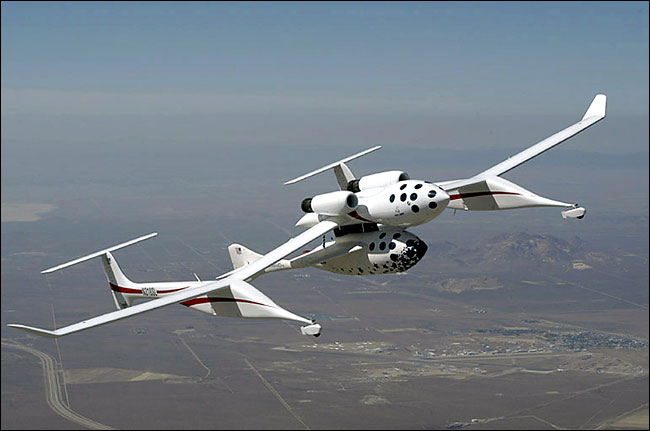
(32,330)
(598,107)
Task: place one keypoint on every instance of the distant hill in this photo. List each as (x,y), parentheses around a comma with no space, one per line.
(524,246)
(497,253)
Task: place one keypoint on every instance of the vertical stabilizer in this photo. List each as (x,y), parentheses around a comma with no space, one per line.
(343,175)
(118,282)
(241,256)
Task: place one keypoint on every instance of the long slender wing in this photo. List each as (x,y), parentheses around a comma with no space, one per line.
(595,113)
(320,255)
(285,249)
(243,273)
(127,312)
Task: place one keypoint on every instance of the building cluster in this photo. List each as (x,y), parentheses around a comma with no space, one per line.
(576,341)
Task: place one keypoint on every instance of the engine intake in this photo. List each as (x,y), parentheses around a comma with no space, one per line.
(333,204)
(381,179)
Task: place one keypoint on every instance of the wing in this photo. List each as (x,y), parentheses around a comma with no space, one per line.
(127,312)
(209,287)
(321,254)
(595,113)
(285,249)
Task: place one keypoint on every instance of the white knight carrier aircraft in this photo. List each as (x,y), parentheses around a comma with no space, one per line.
(369,217)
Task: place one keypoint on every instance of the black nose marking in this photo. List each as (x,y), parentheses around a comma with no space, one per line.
(420,249)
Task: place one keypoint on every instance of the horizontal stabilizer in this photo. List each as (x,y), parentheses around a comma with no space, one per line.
(99,253)
(332,165)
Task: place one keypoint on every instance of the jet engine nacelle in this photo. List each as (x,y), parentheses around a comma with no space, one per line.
(332,204)
(382,179)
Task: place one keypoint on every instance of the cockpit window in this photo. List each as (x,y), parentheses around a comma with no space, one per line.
(414,196)
(433,205)
(415,208)
(382,246)
(432,193)
(397,235)
(392,198)
(403,186)
(403,197)
(417,186)
(371,247)
(381,235)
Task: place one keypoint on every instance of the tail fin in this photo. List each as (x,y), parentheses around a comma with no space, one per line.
(241,256)
(118,282)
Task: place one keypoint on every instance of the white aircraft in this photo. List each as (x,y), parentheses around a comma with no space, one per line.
(369,217)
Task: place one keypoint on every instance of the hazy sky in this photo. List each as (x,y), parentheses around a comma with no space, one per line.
(283,72)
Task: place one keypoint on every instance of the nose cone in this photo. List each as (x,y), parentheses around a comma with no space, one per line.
(420,249)
(413,252)
(442,198)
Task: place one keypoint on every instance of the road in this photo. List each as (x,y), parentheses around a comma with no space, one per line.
(53,393)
